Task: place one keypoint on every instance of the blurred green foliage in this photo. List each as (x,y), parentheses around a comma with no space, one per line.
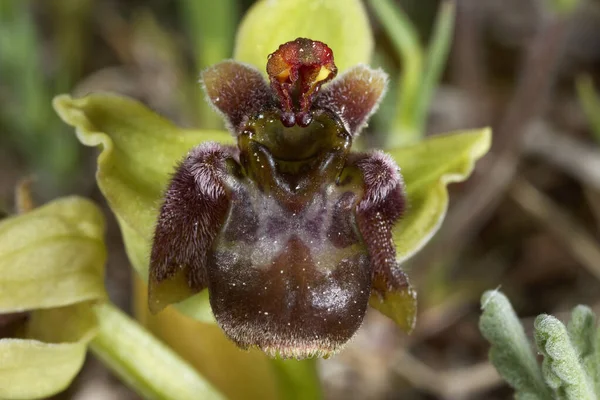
(211,26)
(31,76)
(421,67)
(590,101)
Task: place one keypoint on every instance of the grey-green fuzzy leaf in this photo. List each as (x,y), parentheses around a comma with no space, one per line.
(562,368)
(582,330)
(511,352)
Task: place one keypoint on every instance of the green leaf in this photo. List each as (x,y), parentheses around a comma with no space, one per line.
(342,24)
(51,264)
(51,354)
(435,60)
(593,362)
(405,38)
(561,367)
(571,363)
(66,324)
(143,362)
(421,67)
(52,256)
(139,152)
(511,352)
(51,366)
(428,167)
(210,25)
(582,330)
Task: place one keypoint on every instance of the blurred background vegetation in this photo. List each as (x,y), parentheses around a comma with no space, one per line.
(528,220)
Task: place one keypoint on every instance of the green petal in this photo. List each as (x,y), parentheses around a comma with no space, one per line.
(140,150)
(49,357)
(52,256)
(398,305)
(342,24)
(428,167)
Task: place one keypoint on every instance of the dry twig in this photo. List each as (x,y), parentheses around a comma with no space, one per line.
(454,384)
(488,187)
(581,244)
(578,159)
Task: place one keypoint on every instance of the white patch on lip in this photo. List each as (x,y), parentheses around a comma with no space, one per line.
(332,297)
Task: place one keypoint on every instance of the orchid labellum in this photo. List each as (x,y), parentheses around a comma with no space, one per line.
(290,231)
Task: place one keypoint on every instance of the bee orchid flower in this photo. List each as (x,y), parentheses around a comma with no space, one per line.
(290,230)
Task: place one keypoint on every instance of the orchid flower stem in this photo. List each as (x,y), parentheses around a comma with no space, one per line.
(297,380)
(143,362)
